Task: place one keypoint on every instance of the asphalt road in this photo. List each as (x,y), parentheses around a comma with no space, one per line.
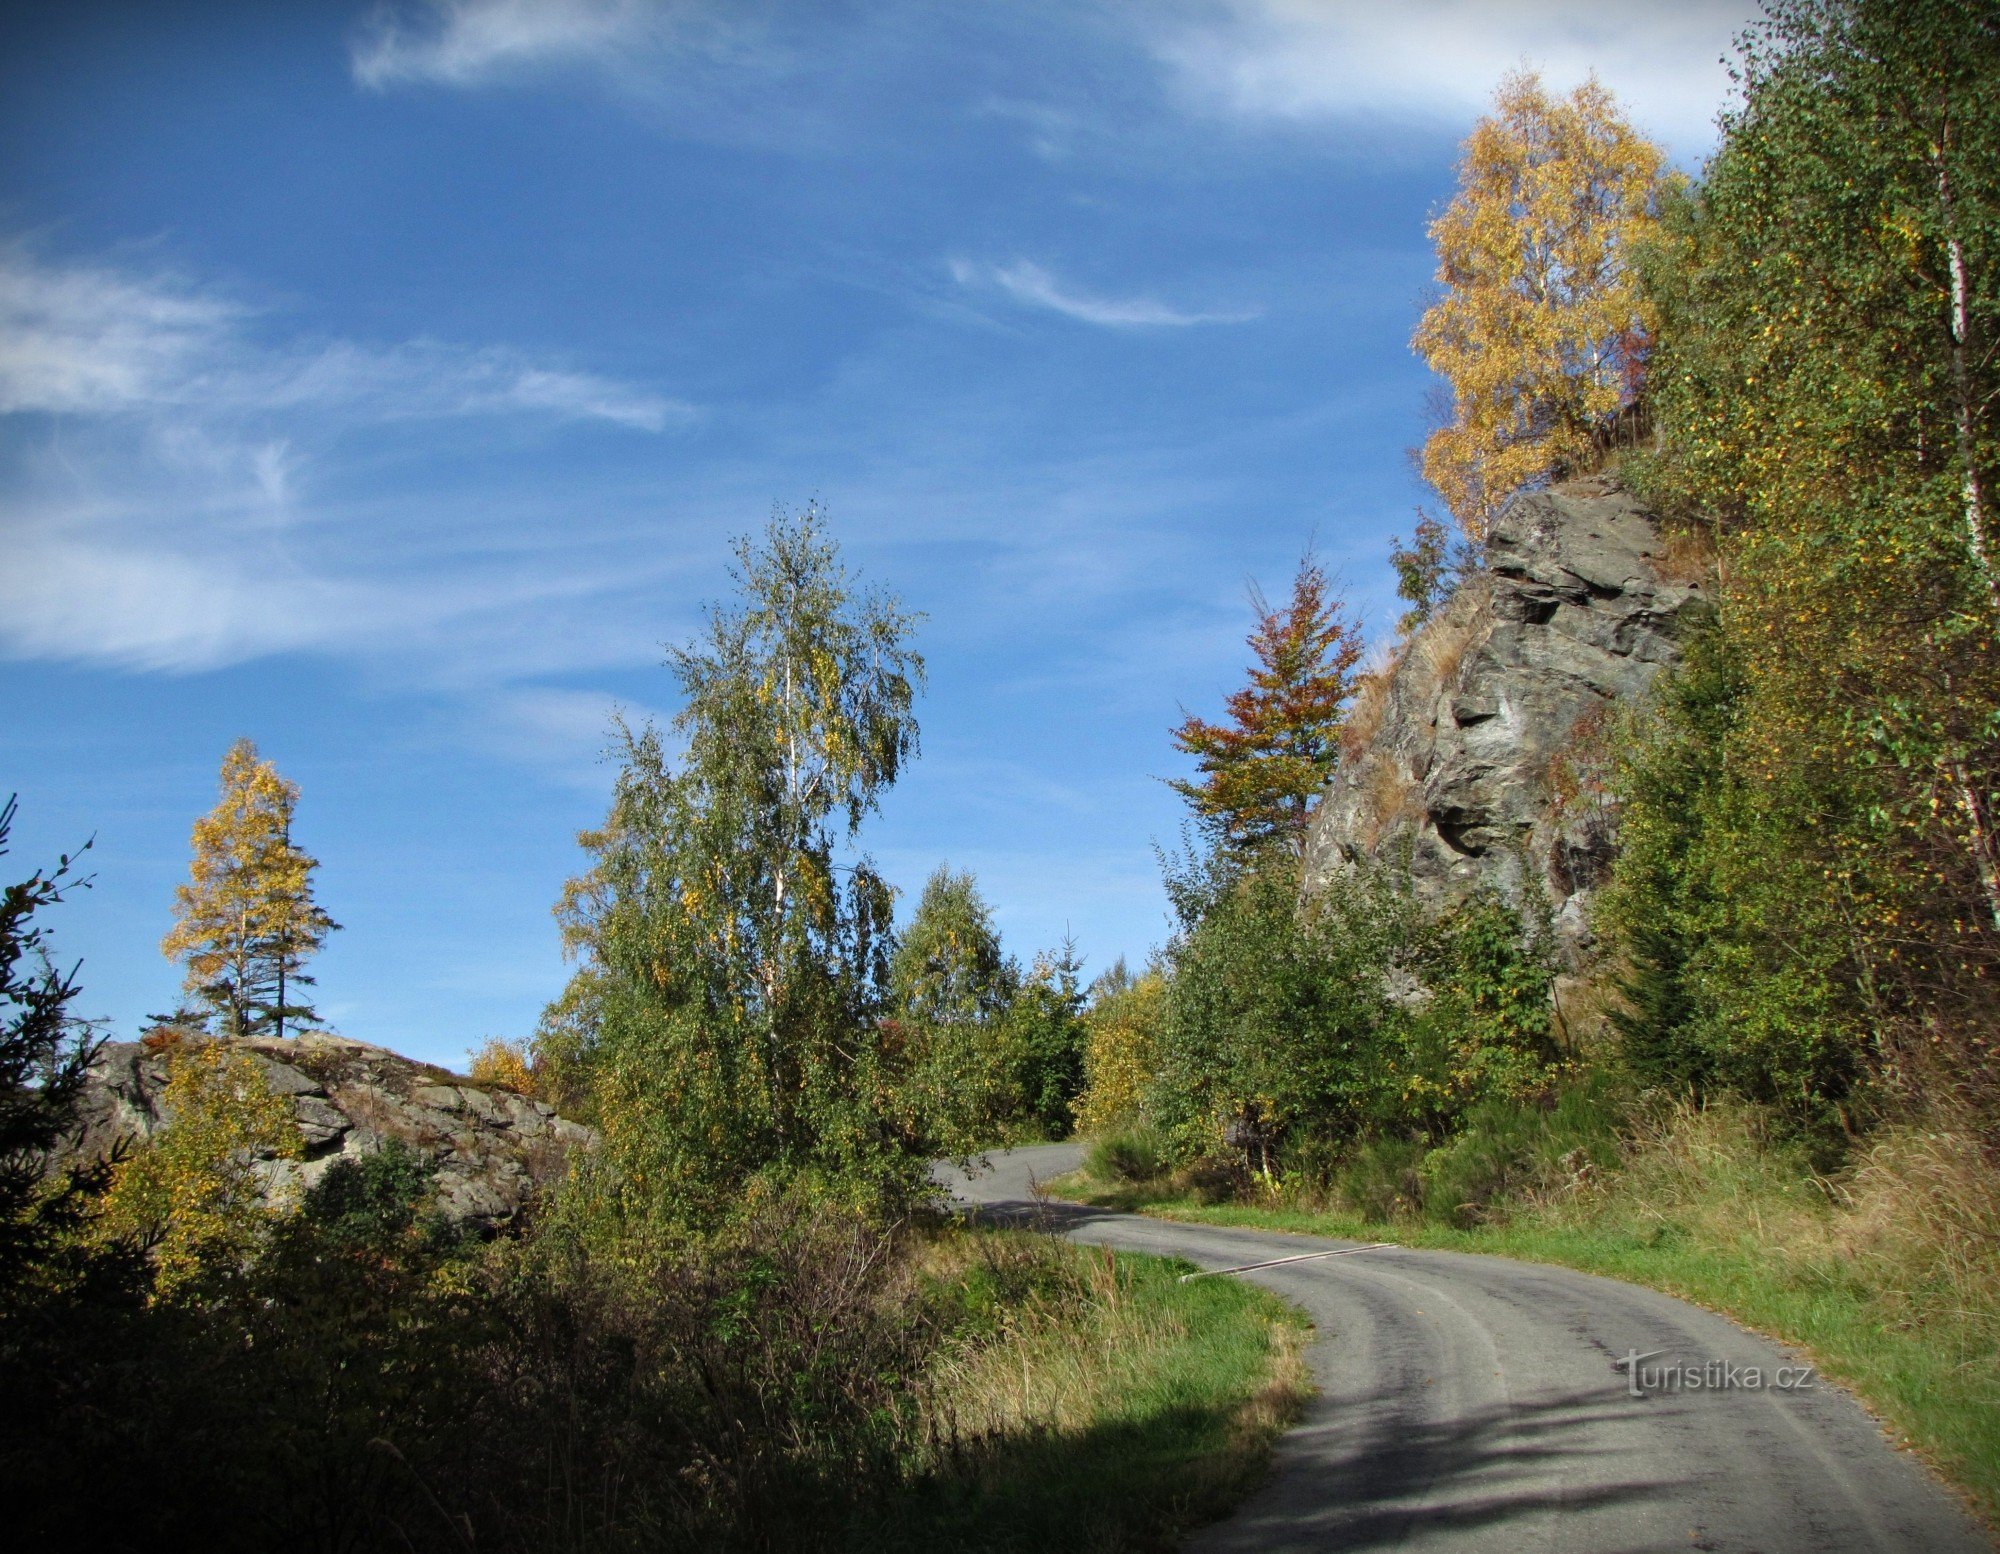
(1476,1403)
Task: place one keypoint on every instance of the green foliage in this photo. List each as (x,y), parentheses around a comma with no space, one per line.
(1379,1177)
(1813,870)
(1137,1156)
(1509,1149)
(738,950)
(375,1201)
(1295,1028)
(1428,568)
(45,1053)
(1745,970)
(950,992)
(1484,1031)
(1278,1020)
(1045,1037)
(948,967)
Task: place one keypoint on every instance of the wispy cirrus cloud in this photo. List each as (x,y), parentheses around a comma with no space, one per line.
(157,476)
(90,340)
(1032,286)
(462,42)
(1303,60)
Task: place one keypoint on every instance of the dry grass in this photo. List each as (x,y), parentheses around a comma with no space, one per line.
(1107,1393)
(1390,795)
(1365,713)
(1688,553)
(1440,648)
(1922,1212)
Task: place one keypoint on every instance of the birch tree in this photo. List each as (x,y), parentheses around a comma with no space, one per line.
(1540,328)
(739,939)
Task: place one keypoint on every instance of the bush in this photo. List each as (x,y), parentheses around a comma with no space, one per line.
(1137,1156)
(1379,1178)
(1278,1019)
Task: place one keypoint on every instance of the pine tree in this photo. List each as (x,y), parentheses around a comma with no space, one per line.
(246,922)
(1261,770)
(1541,329)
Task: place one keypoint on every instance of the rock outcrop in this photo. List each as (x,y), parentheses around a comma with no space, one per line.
(492,1148)
(1478,758)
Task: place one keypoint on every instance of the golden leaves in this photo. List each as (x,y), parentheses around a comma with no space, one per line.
(1542,326)
(246,916)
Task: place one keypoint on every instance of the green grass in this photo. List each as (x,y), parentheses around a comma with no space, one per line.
(1106,1406)
(1904,1314)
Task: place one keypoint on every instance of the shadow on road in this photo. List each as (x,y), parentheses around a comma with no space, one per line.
(1377,1472)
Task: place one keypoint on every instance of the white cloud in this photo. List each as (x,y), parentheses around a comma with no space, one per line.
(80,339)
(160,498)
(1033,286)
(1302,60)
(86,340)
(82,594)
(461,42)
(565,732)
(419,379)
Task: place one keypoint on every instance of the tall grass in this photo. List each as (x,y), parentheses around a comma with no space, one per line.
(802,1379)
(1122,1408)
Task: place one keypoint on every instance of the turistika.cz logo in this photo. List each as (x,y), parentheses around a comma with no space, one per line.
(1642,1379)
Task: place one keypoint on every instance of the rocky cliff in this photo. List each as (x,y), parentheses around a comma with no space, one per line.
(1478,755)
(492,1148)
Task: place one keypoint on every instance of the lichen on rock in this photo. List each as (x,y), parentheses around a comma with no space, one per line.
(1478,758)
(493,1150)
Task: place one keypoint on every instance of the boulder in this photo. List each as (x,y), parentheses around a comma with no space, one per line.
(492,1149)
(1478,758)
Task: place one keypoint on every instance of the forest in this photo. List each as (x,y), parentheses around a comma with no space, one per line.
(744,1318)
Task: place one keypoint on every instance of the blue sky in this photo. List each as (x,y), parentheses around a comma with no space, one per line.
(385,384)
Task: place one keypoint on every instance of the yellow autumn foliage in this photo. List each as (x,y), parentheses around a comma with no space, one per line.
(246,921)
(1541,326)
(1118,1056)
(504,1063)
(192,1188)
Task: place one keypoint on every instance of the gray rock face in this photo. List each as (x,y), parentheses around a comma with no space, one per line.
(1481,758)
(493,1149)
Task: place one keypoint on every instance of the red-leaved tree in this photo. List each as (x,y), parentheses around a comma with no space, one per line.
(1261,768)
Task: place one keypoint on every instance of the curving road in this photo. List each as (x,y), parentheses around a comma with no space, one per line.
(1476,1403)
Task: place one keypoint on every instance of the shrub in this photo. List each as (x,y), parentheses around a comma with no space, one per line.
(1379,1178)
(1136,1156)
(192,1190)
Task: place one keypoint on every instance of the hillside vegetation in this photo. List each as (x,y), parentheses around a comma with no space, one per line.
(1764,1077)
(1748,1057)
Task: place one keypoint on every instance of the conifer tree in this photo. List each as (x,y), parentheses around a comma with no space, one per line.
(948,967)
(1262,768)
(1541,329)
(246,921)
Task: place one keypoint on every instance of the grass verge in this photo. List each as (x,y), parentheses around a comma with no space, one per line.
(1889,1276)
(1095,1402)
